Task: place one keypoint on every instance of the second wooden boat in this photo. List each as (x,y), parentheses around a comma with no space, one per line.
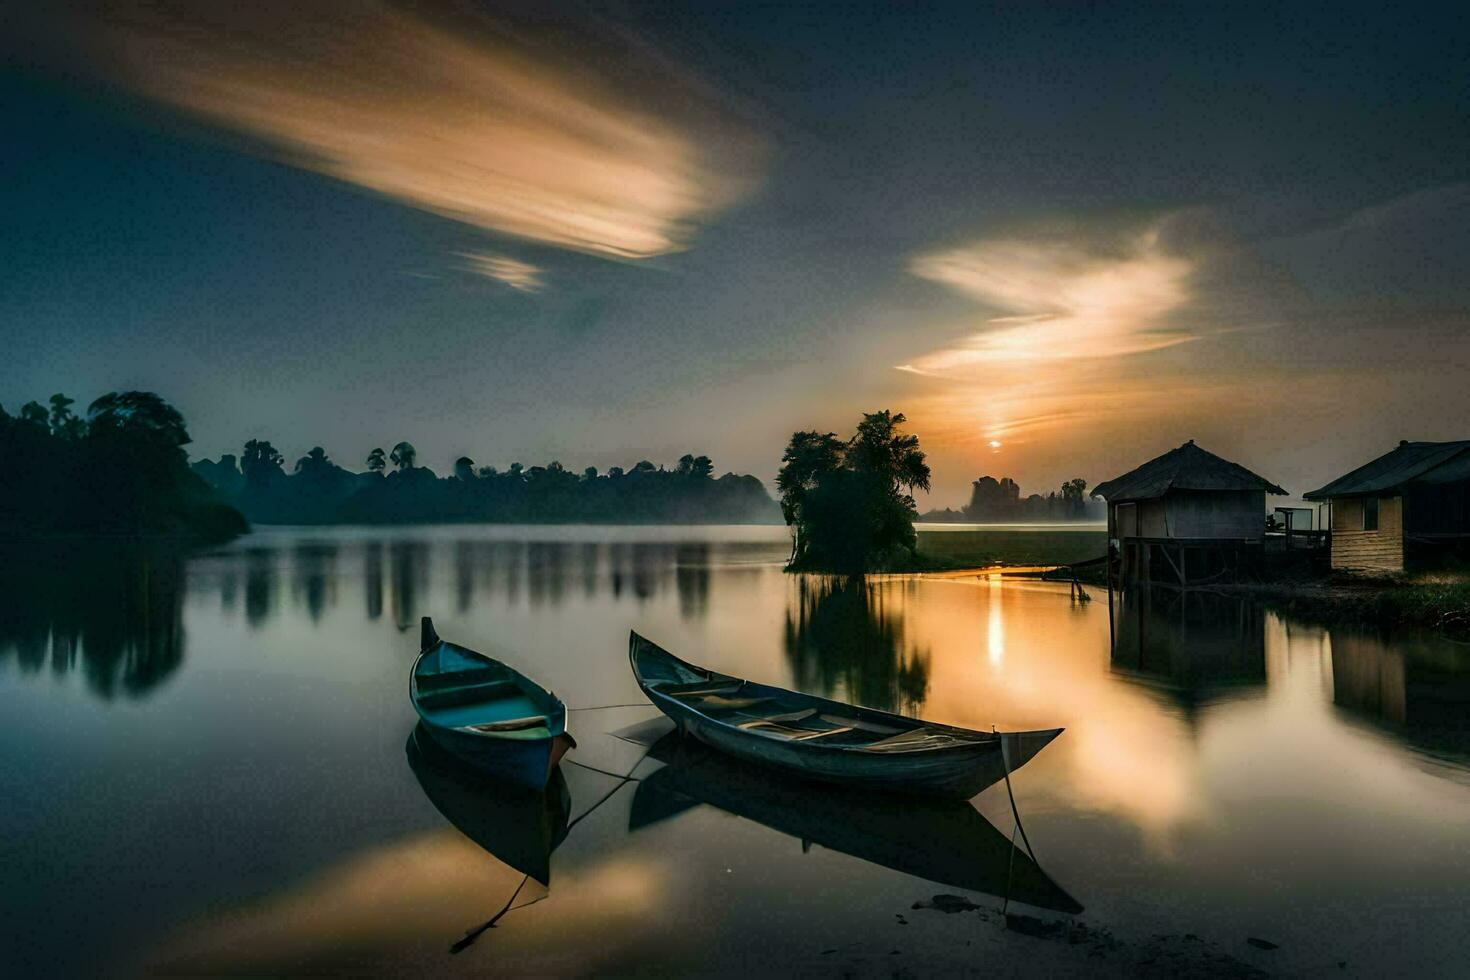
(486,713)
(828,740)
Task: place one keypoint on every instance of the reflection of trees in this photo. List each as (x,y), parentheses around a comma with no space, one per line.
(114,611)
(546,571)
(464,574)
(407,571)
(588,565)
(372,578)
(841,642)
(313,571)
(691,578)
(260,585)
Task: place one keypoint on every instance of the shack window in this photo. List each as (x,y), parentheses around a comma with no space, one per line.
(1370,513)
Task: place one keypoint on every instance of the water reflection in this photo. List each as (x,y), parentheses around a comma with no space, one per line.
(1417,689)
(313,576)
(260,585)
(372,580)
(518,827)
(1338,788)
(407,577)
(844,640)
(1193,644)
(946,842)
(114,612)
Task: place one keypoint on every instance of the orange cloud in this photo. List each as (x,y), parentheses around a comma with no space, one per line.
(467,120)
(514,273)
(1064,300)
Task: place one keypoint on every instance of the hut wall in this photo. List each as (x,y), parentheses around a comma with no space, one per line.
(1355,549)
(1438,508)
(1233,514)
(1153,519)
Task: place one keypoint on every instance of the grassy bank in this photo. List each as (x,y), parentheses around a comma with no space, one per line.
(1440,603)
(943,549)
(1008,545)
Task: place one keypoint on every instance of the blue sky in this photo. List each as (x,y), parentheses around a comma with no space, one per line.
(1061,239)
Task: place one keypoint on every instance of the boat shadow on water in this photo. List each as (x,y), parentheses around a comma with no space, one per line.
(944,841)
(518,826)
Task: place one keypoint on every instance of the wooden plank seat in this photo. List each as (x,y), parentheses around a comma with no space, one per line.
(700,688)
(777,719)
(459,689)
(713,702)
(512,724)
(915,739)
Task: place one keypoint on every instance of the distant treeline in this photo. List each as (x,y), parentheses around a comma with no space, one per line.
(995,501)
(121,470)
(393,489)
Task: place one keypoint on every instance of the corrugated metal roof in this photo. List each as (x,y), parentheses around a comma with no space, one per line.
(1410,462)
(1186,468)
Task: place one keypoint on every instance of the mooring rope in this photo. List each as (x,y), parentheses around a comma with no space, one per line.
(604,707)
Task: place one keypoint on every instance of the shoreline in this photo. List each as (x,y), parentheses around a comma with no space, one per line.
(1432,602)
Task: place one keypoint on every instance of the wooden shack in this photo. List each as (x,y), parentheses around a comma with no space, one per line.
(1409,506)
(1185,517)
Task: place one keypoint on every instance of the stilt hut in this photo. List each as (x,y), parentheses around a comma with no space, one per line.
(1185,517)
(1410,506)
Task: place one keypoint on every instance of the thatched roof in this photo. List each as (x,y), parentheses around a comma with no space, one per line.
(1186,468)
(1411,462)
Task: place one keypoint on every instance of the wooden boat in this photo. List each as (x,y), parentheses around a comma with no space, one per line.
(489,715)
(944,841)
(828,740)
(517,825)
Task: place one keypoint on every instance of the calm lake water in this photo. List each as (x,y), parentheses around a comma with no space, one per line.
(207,766)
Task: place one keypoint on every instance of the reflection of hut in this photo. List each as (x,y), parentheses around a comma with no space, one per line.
(1419,687)
(1405,506)
(1192,643)
(1185,516)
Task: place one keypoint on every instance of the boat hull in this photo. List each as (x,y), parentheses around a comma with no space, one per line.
(525,762)
(954,772)
(487,714)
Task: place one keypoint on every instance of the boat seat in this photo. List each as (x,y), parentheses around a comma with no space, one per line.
(775,719)
(714,701)
(767,726)
(452,695)
(822,734)
(914,738)
(863,725)
(513,724)
(700,687)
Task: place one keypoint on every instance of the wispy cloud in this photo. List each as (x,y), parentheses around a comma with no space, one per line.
(513,272)
(1061,300)
(458,116)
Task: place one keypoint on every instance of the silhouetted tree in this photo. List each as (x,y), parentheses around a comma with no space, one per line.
(321,492)
(852,504)
(34,413)
(1072,496)
(403,455)
(261,462)
(315,462)
(64,424)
